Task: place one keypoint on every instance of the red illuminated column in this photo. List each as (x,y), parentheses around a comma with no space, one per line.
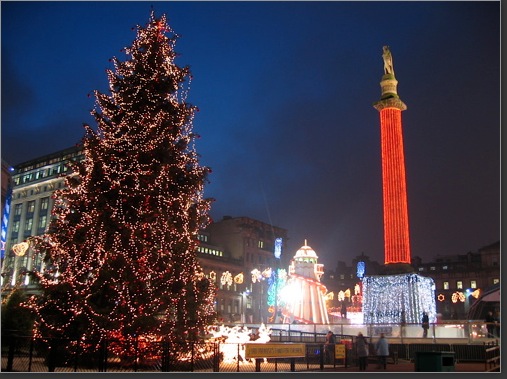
(394,188)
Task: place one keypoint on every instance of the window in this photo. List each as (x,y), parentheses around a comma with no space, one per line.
(446,285)
(445,267)
(28,224)
(260,244)
(44,203)
(459,285)
(17,209)
(473,284)
(42,221)
(30,208)
(432,268)
(27,178)
(496,280)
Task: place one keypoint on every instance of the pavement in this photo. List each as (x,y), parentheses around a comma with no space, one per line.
(408,366)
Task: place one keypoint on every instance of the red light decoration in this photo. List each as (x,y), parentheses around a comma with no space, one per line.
(396,232)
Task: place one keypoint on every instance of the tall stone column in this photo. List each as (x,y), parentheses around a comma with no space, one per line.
(394,188)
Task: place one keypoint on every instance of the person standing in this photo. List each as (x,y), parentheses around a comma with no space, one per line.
(343,310)
(403,323)
(329,347)
(362,351)
(425,324)
(490,324)
(382,351)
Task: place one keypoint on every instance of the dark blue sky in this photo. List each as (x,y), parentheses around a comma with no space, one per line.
(285,92)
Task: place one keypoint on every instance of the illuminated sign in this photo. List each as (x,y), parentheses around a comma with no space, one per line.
(339,351)
(274,350)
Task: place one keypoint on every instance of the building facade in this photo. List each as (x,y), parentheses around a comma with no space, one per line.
(231,250)
(460,279)
(33,185)
(228,251)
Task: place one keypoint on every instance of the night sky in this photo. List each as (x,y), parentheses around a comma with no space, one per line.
(285,92)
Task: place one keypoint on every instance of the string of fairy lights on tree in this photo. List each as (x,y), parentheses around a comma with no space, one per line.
(123,238)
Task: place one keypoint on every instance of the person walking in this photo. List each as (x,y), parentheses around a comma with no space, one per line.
(382,351)
(425,324)
(362,348)
(329,347)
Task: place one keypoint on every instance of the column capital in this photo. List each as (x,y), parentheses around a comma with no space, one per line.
(393,102)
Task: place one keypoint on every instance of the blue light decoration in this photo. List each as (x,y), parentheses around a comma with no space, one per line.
(385,297)
(5,222)
(276,283)
(278,248)
(360,269)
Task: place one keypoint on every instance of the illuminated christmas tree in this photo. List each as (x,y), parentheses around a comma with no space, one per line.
(121,248)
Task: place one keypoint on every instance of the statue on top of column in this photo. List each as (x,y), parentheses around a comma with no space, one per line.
(388,60)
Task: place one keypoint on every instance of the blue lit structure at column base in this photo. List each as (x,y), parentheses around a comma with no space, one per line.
(385,297)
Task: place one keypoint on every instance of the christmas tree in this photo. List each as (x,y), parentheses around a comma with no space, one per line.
(121,247)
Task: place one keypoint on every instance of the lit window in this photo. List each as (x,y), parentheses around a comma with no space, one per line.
(432,268)
(30,207)
(17,209)
(445,267)
(44,203)
(261,244)
(473,284)
(421,268)
(496,280)
(459,285)
(446,285)
(42,221)
(28,224)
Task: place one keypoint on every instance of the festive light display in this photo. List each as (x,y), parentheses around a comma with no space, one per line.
(458,296)
(5,221)
(124,232)
(20,248)
(233,339)
(304,293)
(385,297)
(360,269)
(276,283)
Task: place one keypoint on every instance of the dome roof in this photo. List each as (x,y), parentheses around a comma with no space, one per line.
(305,251)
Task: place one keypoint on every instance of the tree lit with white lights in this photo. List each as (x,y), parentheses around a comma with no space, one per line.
(121,249)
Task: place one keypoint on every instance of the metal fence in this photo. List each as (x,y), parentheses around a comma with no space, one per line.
(26,354)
